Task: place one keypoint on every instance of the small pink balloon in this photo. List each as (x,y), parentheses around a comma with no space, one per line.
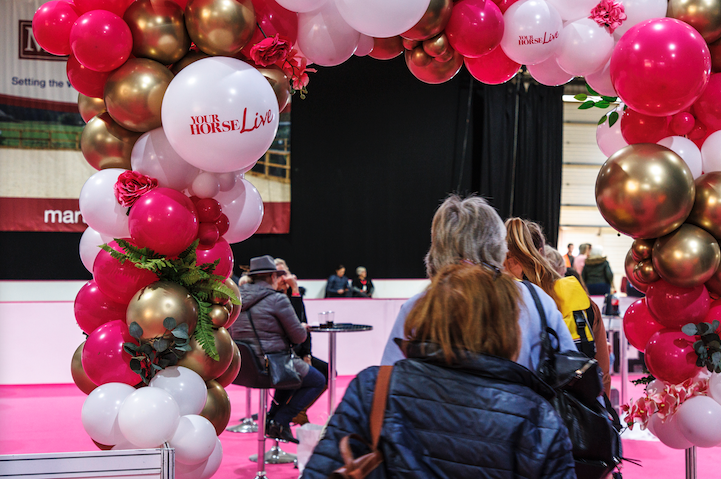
(208,235)
(118,7)
(86,81)
(475,27)
(494,68)
(101,40)
(639,324)
(673,306)
(549,73)
(103,358)
(119,281)
(52,24)
(639,128)
(164,220)
(707,108)
(699,420)
(93,308)
(682,123)
(609,137)
(667,432)
(220,251)
(243,208)
(670,356)
(504,4)
(714,314)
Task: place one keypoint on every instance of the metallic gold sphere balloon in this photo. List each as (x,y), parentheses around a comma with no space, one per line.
(235,311)
(158,28)
(386,48)
(201,363)
(645,190)
(418,57)
(90,107)
(629,266)
(437,45)
(157,301)
(105,144)
(192,56)
(220,27)
(280,84)
(219,315)
(687,257)
(432,22)
(232,372)
(706,212)
(446,56)
(703,15)
(217,407)
(82,381)
(134,93)
(410,44)
(436,71)
(644,272)
(642,249)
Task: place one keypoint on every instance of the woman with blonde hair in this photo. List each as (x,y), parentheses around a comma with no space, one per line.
(459,406)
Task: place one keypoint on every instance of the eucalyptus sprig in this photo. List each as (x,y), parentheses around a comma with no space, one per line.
(708,346)
(604,102)
(156,354)
(643,380)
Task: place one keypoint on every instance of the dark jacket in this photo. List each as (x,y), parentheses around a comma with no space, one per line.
(274,318)
(597,271)
(358,287)
(484,417)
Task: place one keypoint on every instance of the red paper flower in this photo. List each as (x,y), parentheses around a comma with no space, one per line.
(131,185)
(269,51)
(608,14)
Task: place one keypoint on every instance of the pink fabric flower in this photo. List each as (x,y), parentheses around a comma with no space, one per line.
(269,51)
(665,403)
(608,14)
(131,185)
(296,69)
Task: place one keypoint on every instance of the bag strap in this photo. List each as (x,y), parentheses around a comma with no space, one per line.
(380,398)
(546,347)
(260,345)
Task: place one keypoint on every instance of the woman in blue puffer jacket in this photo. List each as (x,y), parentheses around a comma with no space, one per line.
(459,406)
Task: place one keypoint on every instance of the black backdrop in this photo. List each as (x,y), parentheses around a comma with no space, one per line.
(374,152)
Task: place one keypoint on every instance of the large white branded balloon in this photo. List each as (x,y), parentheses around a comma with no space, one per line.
(531,31)
(220,114)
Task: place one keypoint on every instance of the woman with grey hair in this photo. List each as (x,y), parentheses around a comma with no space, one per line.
(469,230)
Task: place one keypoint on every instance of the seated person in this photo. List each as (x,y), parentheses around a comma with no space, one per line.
(337,286)
(362,284)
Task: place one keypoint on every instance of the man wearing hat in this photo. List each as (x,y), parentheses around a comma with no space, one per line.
(277,327)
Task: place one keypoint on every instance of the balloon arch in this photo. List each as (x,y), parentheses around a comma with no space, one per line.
(182,97)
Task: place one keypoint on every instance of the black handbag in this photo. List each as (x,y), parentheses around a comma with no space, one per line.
(576,378)
(279,365)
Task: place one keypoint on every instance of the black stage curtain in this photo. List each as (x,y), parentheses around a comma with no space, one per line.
(374,152)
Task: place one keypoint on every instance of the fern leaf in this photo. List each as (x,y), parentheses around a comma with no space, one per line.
(204,330)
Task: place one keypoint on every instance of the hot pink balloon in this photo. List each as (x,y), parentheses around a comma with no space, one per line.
(52,24)
(101,40)
(639,324)
(475,27)
(104,360)
(83,79)
(682,123)
(708,107)
(164,220)
(504,4)
(670,356)
(118,7)
(639,128)
(221,251)
(494,68)
(673,306)
(119,281)
(660,66)
(714,313)
(93,308)
(273,20)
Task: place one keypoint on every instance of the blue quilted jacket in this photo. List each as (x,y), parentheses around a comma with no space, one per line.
(485,417)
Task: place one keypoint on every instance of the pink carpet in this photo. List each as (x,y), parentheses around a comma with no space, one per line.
(46,419)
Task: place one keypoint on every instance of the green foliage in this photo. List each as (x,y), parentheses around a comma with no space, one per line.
(204,329)
(644,380)
(604,102)
(708,344)
(158,353)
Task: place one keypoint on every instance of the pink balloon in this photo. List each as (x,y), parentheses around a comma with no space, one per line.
(699,420)
(673,306)
(208,234)
(600,81)
(549,73)
(609,137)
(494,68)
(475,27)
(682,123)
(639,324)
(273,20)
(118,7)
(707,108)
(164,220)
(243,207)
(670,356)
(639,128)
(93,308)
(221,251)
(504,4)
(101,40)
(104,360)
(118,281)
(83,79)
(660,66)
(52,24)
(667,432)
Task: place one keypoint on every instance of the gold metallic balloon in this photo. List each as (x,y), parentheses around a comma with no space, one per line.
(105,144)
(201,363)
(157,301)
(134,93)
(641,249)
(687,257)
(158,28)
(90,107)
(410,44)
(706,212)
(220,27)
(235,311)
(703,15)
(432,22)
(386,48)
(280,84)
(437,45)
(82,381)
(418,57)
(645,190)
(230,374)
(446,56)
(219,315)
(645,273)
(217,407)
(436,71)
(629,267)
(192,56)
(715,49)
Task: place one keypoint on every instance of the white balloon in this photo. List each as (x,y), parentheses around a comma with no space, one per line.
(220,114)
(531,31)
(100,412)
(655,387)
(301,5)
(714,387)
(149,417)
(609,138)
(194,440)
(99,207)
(89,246)
(205,185)
(711,152)
(203,470)
(365,46)
(638,11)
(382,18)
(573,9)
(600,80)
(585,47)
(687,150)
(324,37)
(185,385)
(668,432)
(244,208)
(699,420)
(153,156)
(125,445)
(549,73)
(226,181)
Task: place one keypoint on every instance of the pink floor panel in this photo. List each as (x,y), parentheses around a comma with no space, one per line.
(46,419)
